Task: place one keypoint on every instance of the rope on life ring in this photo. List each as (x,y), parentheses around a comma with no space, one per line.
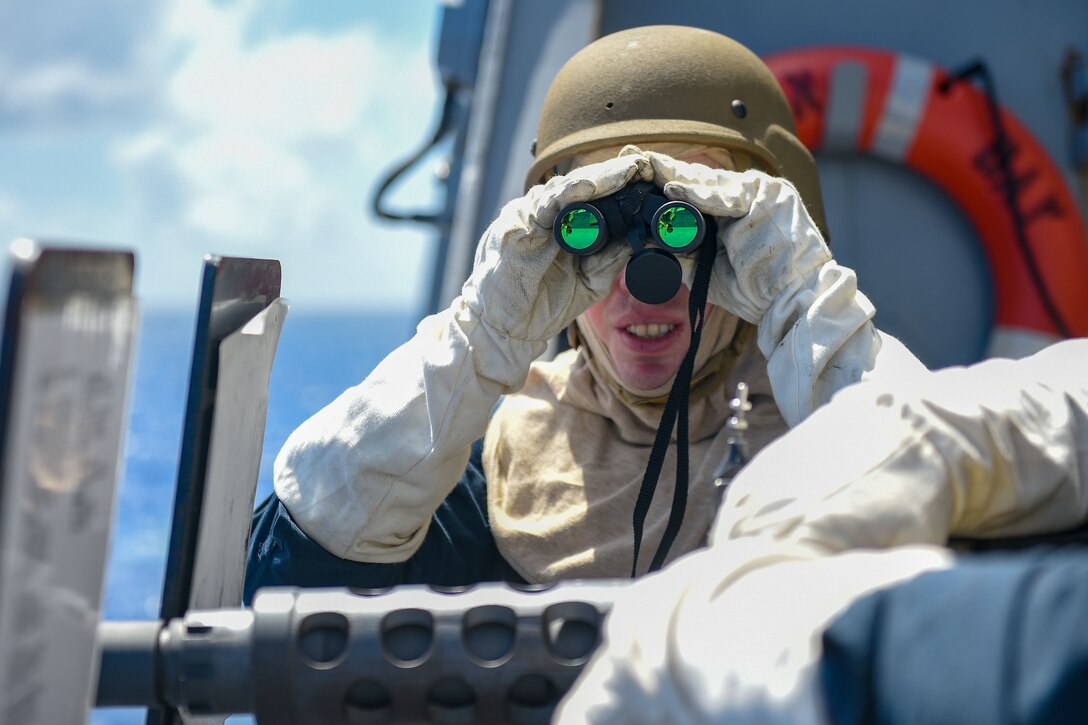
(908,111)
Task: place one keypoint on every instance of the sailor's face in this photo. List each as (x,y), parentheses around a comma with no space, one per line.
(647,342)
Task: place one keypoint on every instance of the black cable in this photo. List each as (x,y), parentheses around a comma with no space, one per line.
(697,315)
(1004,152)
(675,407)
(445,123)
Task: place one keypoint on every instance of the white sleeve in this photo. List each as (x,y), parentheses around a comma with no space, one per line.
(363,476)
(730,635)
(852,500)
(818,338)
(997,449)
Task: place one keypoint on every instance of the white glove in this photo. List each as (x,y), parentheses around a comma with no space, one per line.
(522,284)
(363,476)
(774,270)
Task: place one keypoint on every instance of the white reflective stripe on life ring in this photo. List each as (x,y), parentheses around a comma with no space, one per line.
(903,108)
(844,115)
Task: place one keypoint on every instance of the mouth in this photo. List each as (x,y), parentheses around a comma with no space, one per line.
(651,337)
(652,331)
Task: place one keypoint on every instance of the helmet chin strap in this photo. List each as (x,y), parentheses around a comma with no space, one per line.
(676,413)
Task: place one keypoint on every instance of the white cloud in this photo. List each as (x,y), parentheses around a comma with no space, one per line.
(222,127)
(63,64)
(38,90)
(141,147)
(244,187)
(261,144)
(290,88)
(9,210)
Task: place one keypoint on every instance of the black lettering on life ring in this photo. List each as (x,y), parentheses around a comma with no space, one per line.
(988,163)
(801,91)
(1050,206)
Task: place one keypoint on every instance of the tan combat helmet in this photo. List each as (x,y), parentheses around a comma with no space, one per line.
(673,83)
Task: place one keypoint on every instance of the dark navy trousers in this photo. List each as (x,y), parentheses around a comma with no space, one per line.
(458,550)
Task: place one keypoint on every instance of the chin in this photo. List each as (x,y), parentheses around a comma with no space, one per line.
(646,379)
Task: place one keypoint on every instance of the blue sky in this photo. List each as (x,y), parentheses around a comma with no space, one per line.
(244,128)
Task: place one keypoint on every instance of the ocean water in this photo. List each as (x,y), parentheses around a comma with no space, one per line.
(319,355)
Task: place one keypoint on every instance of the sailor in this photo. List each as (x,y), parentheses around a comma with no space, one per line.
(385,485)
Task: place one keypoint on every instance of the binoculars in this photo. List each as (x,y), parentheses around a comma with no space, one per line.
(636,213)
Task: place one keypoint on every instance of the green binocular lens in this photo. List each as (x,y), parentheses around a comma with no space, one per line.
(580,229)
(678,226)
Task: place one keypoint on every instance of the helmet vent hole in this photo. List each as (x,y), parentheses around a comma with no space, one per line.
(739,109)
(609,104)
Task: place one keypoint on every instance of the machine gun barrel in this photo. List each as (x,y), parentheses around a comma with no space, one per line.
(490,653)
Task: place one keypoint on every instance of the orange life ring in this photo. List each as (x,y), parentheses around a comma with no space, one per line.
(894,107)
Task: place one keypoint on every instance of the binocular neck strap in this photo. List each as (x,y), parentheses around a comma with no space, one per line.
(676,413)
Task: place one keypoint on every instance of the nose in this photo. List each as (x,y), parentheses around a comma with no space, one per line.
(621,282)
